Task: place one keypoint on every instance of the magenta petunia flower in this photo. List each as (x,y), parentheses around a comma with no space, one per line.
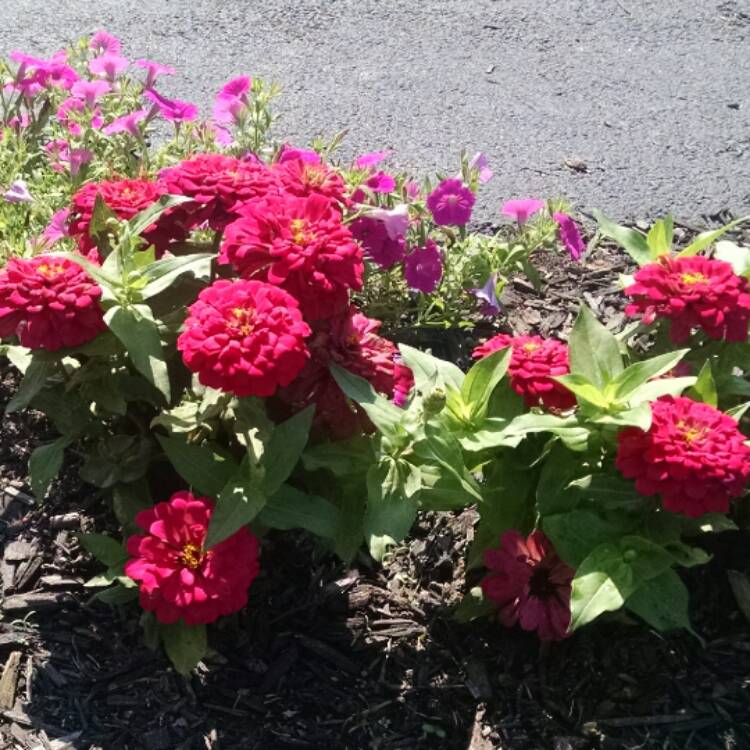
(77,158)
(522,209)
(108,66)
(481,164)
(412,190)
(153,70)
(57,227)
(423,268)
(379,247)
(127,124)
(396,220)
(173,110)
(290,153)
(90,91)
(372,159)
(231,101)
(450,203)
(18,192)
(570,236)
(103,43)
(381,182)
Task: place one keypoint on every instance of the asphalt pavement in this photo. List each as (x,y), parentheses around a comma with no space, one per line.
(637,107)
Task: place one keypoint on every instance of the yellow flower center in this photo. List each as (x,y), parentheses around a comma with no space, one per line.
(50,270)
(314,176)
(242,321)
(691,433)
(300,235)
(693,277)
(192,556)
(530,347)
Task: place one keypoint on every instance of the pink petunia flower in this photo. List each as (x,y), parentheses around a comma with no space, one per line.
(108,66)
(173,110)
(522,209)
(90,91)
(231,101)
(481,164)
(423,268)
(379,247)
(153,70)
(57,227)
(79,157)
(570,236)
(372,159)
(396,220)
(451,203)
(127,124)
(381,182)
(103,43)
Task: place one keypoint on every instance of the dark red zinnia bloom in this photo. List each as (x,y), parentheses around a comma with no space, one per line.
(301,245)
(693,293)
(534,362)
(693,456)
(218,185)
(178,577)
(351,341)
(529,584)
(49,303)
(125,198)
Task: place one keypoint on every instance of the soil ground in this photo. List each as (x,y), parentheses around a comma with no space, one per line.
(364,657)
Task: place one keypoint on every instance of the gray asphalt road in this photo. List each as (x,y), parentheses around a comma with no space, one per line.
(653,96)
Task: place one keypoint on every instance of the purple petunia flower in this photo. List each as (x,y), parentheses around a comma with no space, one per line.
(18,192)
(522,209)
(423,268)
(153,69)
(57,227)
(570,235)
(450,203)
(395,220)
(481,164)
(173,110)
(487,294)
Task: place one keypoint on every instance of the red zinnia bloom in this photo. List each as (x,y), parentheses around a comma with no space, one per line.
(49,303)
(302,177)
(350,340)
(530,584)
(125,198)
(692,292)
(534,362)
(693,456)
(244,337)
(301,245)
(178,577)
(218,184)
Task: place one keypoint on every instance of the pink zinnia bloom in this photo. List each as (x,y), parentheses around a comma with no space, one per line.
(126,124)
(57,227)
(570,236)
(529,584)
(153,69)
(173,110)
(367,161)
(178,577)
(290,153)
(522,209)
(481,164)
(90,91)
(423,268)
(108,66)
(450,203)
(381,182)
(103,43)
(18,192)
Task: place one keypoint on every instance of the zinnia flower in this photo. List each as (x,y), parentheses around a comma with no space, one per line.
(178,577)
(290,153)
(529,584)
(423,268)
(350,340)
(125,198)
(301,245)
(534,362)
(692,292)
(693,456)
(244,337)
(379,247)
(522,209)
(303,178)
(49,303)
(570,236)
(174,110)
(450,203)
(218,185)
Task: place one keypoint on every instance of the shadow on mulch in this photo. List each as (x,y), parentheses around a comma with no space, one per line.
(360,658)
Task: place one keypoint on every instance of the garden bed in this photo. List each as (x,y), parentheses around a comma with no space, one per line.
(366,656)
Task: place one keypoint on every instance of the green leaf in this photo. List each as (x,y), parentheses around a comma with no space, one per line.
(594,351)
(20,357)
(663,387)
(283,451)
(552,492)
(136,328)
(584,390)
(483,378)
(127,501)
(660,237)
(638,416)
(102,217)
(634,376)
(148,216)
(430,371)
(290,508)
(608,491)
(199,465)
(103,548)
(33,381)
(384,415)
(237,504)
(117,595)
(662,602)
(341,458)
(473,606)
(705,387)
(737,256)
(633,242)
(185,645)
(162,274)
(44,465)
(568,429)
(491,433)
(706,239)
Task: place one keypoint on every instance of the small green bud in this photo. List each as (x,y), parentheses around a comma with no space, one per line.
(434,401)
